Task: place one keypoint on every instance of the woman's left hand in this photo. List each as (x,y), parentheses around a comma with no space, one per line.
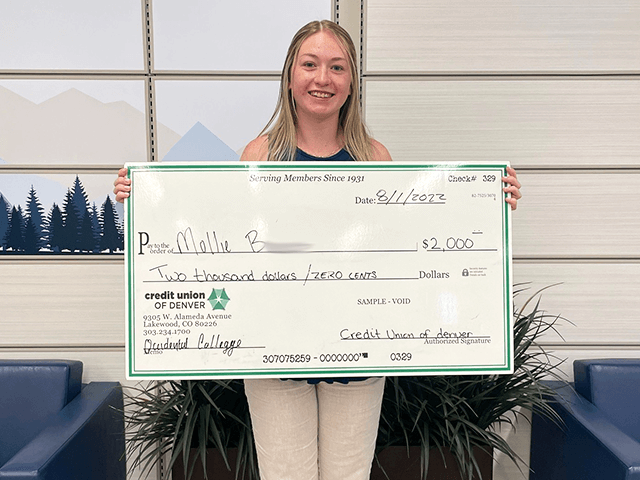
(513,188)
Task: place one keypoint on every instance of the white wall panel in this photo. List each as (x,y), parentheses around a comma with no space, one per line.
(244,35)
(571,353)
(502,35)
(529,122)
(565,213)
(71,35)
(62,304)
(601,299)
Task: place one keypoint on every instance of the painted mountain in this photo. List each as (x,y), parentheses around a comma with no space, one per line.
(71,127)
(36,215)
(200,144)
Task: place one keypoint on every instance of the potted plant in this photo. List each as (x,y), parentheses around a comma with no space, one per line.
(455,417)
(187,420)
(447,420)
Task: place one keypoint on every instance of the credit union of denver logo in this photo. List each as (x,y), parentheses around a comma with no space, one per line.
(219,299)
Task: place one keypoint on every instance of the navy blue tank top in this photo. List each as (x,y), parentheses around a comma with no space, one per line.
(341,156)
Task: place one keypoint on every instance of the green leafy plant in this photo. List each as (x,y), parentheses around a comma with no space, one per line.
(173,417)
(460,412)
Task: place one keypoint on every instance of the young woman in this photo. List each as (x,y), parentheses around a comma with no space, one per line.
(325,429)
(316,429)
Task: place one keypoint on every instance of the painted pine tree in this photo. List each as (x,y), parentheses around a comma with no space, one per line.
(32,241)
(111,235)
(14,237)
(71,230)
(34,232)
(95,226)
(55,229)
(79,196)
(84,241)
(5,209)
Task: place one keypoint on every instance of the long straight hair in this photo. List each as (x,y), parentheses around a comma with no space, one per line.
(282,134)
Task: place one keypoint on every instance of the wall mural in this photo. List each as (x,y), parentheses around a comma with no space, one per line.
(49,126)
(80,122)
(65,222)
(96,122)
(205,120)
(62,123)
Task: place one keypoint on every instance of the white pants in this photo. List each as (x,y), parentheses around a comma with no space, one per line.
(310,432)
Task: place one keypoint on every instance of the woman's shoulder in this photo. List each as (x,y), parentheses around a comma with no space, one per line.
(257,150)
(380,152)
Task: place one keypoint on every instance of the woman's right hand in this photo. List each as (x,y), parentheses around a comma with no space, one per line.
(122,186)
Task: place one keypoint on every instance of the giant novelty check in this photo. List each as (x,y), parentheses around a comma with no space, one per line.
(328,269)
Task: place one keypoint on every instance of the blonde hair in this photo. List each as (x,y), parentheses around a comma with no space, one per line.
(282,134)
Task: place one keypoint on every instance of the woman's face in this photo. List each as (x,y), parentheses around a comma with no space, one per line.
(320,77)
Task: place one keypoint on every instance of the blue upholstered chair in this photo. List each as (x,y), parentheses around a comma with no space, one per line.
(54,427)
(601,438)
